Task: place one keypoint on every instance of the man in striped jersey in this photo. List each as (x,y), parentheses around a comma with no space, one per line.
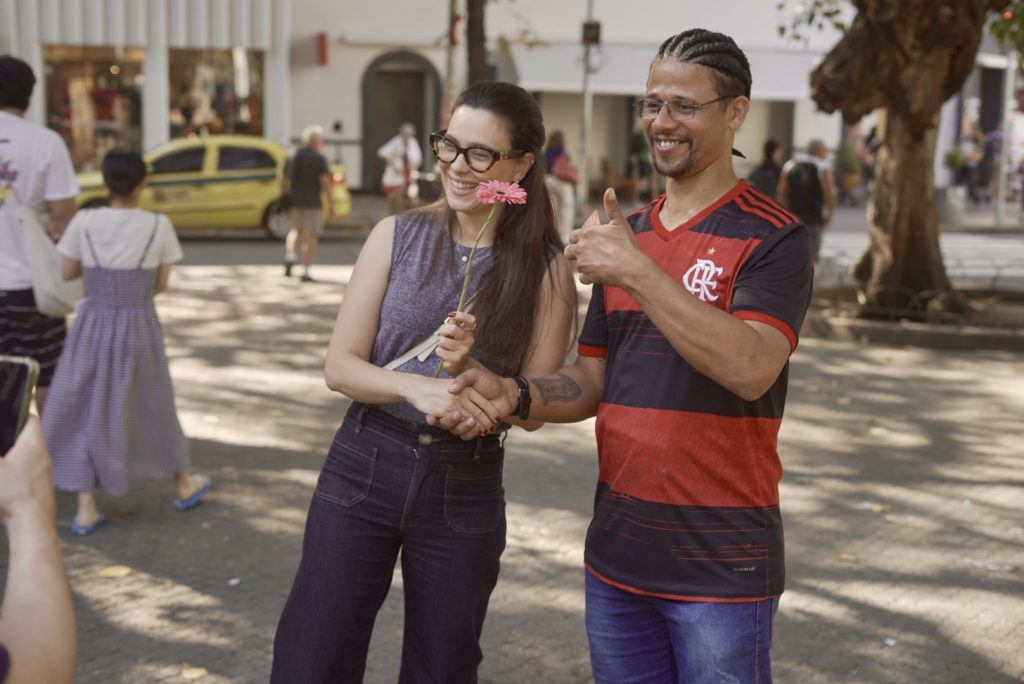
(697,303)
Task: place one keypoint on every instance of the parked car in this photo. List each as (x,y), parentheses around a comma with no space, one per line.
(217,181)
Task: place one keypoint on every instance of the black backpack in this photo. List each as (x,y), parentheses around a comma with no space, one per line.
(806,199)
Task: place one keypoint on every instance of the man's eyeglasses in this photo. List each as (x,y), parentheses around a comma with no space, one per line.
(648,108)
(480,159)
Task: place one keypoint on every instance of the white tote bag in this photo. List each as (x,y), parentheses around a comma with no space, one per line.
(53,296)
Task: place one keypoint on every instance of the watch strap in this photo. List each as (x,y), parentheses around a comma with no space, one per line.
(523,404)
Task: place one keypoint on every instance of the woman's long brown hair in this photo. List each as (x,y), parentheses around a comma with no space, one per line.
(525,238)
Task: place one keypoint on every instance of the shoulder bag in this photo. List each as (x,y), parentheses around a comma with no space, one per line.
(54,297)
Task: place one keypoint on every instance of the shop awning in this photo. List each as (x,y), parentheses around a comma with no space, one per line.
(622,69)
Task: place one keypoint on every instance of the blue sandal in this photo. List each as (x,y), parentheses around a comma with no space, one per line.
(85,531)
(190,502)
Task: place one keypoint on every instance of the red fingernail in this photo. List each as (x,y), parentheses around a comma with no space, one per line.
(499,419)
(451,314)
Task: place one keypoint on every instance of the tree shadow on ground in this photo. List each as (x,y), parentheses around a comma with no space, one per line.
(901,499)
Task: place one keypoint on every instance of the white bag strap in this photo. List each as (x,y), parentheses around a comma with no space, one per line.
(424,349)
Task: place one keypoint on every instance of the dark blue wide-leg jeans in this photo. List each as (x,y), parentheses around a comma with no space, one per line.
(388,486)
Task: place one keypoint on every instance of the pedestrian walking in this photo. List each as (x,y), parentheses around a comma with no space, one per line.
(111,415)
(304,180)
(402,159)
(765,178)
(807,188)
(696,306)
(390,482)
(640,162)
(35,168)
(561,180)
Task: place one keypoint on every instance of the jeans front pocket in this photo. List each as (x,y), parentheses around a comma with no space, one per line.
(347,474)
(474,500)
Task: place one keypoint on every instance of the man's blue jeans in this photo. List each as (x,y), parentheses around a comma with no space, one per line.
(638,639)
(388,486)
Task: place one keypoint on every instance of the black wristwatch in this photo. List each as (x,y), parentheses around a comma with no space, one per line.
(522,409)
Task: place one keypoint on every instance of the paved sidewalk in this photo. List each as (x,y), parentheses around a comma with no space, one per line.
(902,496)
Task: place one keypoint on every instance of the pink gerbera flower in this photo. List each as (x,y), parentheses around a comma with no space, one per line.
(492,192)
(489,192)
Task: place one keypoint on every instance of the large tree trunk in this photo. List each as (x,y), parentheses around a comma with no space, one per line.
(476,44)
(906,58)
(901,272)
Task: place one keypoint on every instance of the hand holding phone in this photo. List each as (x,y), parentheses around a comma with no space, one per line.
(18,375)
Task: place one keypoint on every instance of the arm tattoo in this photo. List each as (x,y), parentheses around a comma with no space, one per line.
(562,388)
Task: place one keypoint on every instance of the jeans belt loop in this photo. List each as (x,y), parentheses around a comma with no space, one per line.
(360,417)
(476,448)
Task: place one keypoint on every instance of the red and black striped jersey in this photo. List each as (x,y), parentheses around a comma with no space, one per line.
(687,502)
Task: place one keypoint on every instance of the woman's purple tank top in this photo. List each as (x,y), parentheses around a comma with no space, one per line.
(418,299)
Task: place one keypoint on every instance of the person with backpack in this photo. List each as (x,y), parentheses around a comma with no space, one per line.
(806,188)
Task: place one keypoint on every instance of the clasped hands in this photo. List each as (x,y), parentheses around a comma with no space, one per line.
(472,405)
(478,399)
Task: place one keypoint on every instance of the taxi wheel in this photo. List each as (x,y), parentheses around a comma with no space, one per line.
(275,222)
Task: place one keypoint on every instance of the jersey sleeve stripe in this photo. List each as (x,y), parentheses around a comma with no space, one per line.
(590,350)
(757,199)
(742,204)
(774,322)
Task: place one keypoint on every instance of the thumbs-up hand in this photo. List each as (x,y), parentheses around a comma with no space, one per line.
(607,253)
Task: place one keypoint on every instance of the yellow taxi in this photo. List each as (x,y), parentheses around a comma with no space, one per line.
(217,181)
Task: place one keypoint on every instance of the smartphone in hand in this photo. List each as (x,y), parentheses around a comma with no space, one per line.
(18,375)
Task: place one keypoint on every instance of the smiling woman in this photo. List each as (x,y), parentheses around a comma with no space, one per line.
(408,278)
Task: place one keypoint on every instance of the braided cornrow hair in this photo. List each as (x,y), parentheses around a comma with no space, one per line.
(729,66)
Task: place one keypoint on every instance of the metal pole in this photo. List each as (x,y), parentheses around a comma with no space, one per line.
(583,180)
(449,68)
(1009,102)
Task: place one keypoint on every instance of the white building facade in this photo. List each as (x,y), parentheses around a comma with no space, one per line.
(387,62)
(138,72)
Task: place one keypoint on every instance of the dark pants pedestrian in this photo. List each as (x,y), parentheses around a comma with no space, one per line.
(388,486)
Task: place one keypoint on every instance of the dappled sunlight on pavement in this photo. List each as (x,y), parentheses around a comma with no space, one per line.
(903,506)
(902,500)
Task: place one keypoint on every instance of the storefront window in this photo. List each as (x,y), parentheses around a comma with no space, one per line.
(217,91)
(93,99)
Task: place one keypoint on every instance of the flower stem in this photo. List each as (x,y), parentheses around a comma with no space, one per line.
(469,269)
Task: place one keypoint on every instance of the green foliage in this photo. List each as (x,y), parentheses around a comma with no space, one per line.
(811,14)
(954,159)
(1008,26)
(846,159)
